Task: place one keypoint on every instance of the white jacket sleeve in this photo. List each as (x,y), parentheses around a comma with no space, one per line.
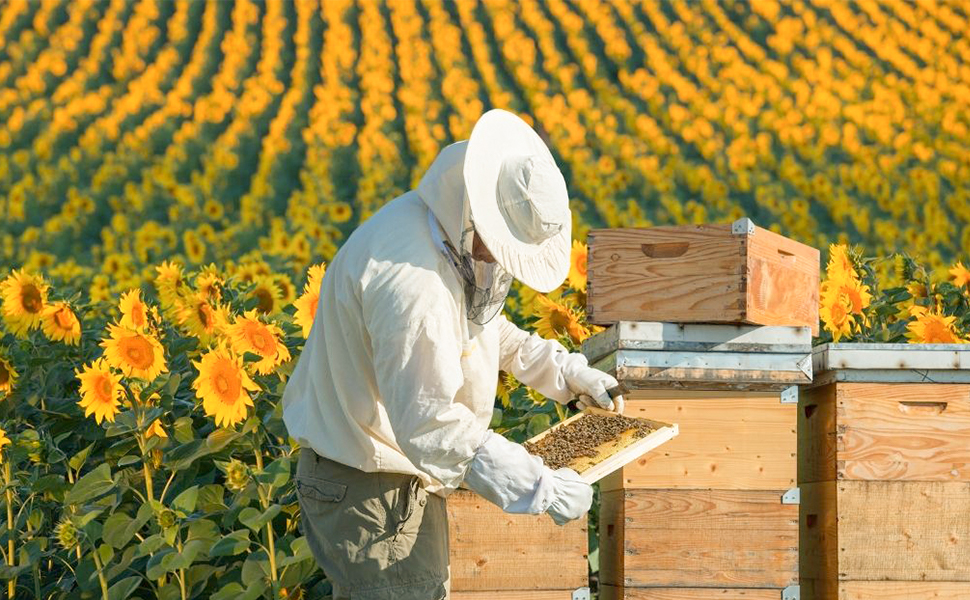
(537,362)
(416,350)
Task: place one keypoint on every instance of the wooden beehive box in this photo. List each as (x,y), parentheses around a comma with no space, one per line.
(736,273)
(712,513)
(884,472)
(500,556)
(653,355)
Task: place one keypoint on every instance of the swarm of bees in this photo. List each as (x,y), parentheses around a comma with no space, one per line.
(584,437)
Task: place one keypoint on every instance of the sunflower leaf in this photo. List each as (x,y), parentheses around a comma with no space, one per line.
(93,484)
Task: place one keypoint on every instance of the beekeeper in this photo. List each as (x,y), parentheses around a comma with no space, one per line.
(391,398)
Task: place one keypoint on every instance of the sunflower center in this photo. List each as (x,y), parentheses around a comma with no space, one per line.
(226,384)
(30,298)
(559,321)
(104,389)
(937,333)
(4,375)
(138,352)
(205,316)
(265,300)
(64,319)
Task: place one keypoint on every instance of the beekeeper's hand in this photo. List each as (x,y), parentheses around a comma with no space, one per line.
(573,496)
(506,475)
(590,385)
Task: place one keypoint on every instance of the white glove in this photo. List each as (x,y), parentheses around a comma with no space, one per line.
(573,499)
(590,384)
(506,475)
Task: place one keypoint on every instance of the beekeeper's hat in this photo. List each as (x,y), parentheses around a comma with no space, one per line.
(518,200)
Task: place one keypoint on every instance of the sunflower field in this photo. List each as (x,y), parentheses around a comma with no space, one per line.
(176,174)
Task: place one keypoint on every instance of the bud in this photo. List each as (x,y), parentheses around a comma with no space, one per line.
(166,518)
(237,475)
(67,534)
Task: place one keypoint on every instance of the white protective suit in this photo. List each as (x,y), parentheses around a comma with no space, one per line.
(393,376)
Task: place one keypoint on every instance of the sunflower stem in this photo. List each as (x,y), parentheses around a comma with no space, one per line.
(264,500)
(100,568)
(12,582)
(181,572)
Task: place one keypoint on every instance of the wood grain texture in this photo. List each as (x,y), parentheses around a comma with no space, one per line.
(702,284)
(514,595)
(782,282)
(610,592)
(902,590)
(698,538)
(727,440)
(903,531)
(701,273)
(818,534)
(816,434)
(903,431)
(494,550)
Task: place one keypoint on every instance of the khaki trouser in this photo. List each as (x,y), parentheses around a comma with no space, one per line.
(377,536)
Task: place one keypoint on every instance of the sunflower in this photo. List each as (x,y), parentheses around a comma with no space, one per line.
(194,247)
(286,288)
(931,327)
(249,334)
(209,283)
(4,440)
(269,298)
(24,297)
(840,265)
(134,353)
(577,266)
(853,289)
(100,389)
(558,320)
(8,376)
(340,212)
(836,314)
(134,312)
(61,324)
(222,386)
(156,429)
(200,318)
(169,282)
(960,275)
(306,305)
(251,269)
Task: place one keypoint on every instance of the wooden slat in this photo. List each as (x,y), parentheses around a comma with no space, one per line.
(904,531)
(702,283)
(707,510)
(908,431)
(902,590)
(514,595)
(698,337)
(494,550)
(816,434)
(609,592)
(782,282)
(818,535)
(612,536)
(832,357)
(699,538)
(754,558)
(726,441)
